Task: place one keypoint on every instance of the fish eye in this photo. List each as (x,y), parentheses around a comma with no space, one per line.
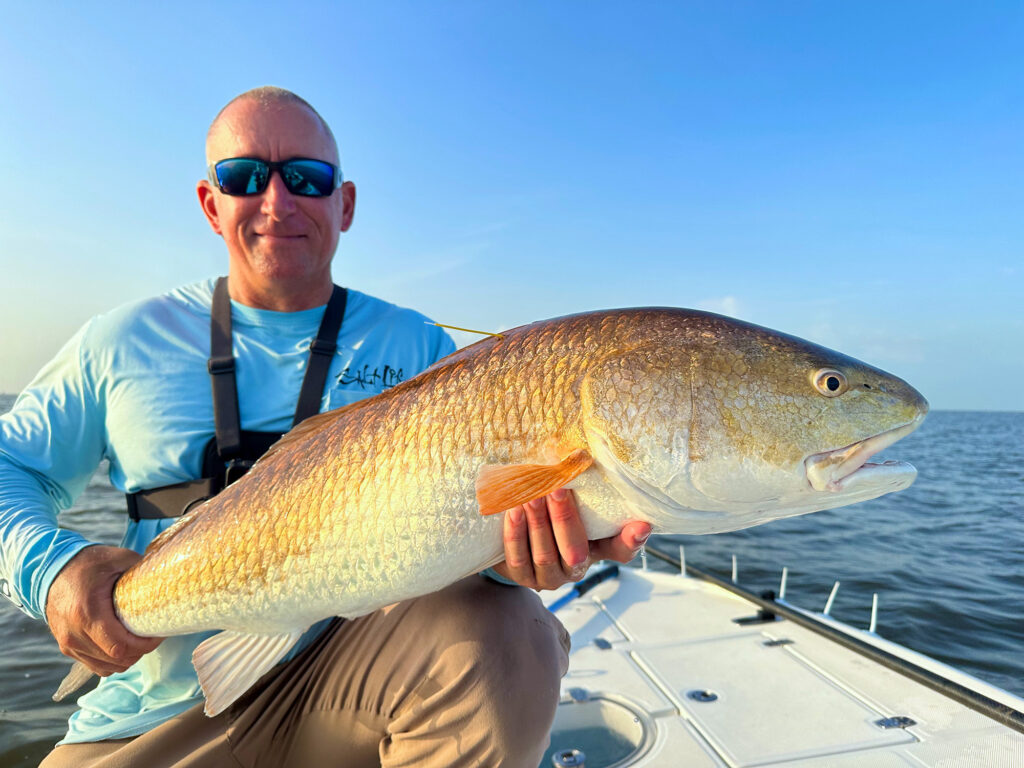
(830,383)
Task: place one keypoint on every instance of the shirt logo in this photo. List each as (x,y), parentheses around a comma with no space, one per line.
(375,377)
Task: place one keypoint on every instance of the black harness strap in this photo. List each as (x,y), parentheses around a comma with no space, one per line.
(175,500)
(232,450)
(161,502)
(221,365)
(321,350)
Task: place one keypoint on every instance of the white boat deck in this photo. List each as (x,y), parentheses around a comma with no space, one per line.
(659,660)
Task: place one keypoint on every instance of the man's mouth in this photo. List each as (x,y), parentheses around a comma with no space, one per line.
(835,471)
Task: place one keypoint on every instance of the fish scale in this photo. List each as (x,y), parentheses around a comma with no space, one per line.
(691,421)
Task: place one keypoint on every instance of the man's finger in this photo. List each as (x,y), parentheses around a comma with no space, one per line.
(113,638)
(570,535)
(103,659)
(101,666)
(623,547)
(97,650)
(547,562)
(518,563)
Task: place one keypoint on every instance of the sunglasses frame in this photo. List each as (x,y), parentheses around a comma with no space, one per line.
(272,166)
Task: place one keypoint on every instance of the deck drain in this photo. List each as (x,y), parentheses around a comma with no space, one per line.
(702,696)
(569,758)
(898,721)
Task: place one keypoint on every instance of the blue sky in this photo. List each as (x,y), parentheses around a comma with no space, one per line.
(852,173)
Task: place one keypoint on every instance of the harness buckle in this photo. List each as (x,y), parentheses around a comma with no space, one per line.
(235,469)
(216,365)
(322,347)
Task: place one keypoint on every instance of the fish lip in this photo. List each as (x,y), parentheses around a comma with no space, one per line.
(830,471)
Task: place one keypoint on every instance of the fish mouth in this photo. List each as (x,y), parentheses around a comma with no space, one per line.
(846,468)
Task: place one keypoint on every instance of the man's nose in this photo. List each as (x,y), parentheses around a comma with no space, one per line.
(278,202)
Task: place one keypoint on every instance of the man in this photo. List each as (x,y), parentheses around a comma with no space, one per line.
(468,676)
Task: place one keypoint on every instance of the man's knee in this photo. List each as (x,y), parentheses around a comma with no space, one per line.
(499,623)
(496,658)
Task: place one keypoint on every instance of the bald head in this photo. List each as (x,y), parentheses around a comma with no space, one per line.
(280,242)
(267,99)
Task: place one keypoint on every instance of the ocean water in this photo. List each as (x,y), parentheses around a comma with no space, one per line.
(945,556)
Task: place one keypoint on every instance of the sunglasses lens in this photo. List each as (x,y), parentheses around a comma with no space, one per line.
(312,178)
(242,176)
(249,176)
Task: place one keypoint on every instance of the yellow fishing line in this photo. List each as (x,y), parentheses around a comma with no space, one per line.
(468,330)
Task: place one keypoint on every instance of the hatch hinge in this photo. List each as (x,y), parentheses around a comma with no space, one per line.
(764,615)
(897,721)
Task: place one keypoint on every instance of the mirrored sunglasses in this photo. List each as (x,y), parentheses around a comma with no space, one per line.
(250,176)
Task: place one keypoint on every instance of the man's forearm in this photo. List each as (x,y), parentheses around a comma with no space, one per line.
(33,548)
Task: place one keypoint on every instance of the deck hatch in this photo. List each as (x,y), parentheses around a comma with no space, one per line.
(771,706)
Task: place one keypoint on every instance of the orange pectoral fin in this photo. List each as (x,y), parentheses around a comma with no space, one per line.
(503,486)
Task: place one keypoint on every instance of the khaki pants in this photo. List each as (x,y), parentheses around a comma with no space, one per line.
(468,676)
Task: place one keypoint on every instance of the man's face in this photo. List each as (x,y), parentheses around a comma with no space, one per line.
(275,237)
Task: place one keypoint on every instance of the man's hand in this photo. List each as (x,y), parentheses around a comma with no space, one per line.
(80,611)
(546,545)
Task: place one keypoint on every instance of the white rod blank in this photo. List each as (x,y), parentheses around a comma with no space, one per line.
(831,597)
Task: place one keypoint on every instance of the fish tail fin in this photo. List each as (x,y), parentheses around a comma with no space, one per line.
(75,679)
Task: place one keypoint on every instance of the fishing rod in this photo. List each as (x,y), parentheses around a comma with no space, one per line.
(584,586)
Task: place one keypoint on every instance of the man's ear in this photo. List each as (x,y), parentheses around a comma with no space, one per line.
(208,202)
(348,201)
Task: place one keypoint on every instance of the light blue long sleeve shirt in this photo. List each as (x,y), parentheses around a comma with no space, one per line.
(132,387)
